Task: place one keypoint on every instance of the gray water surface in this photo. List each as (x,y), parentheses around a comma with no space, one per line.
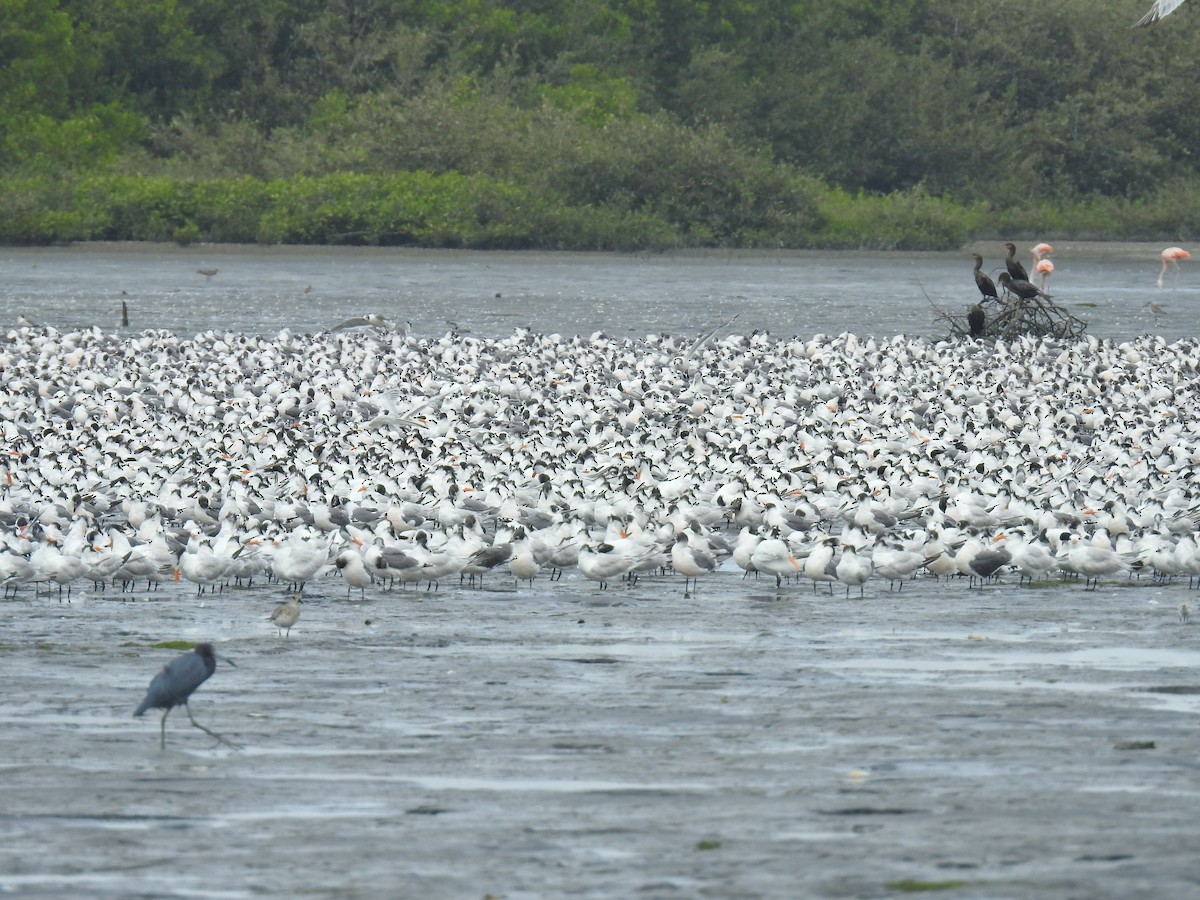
(306,289)
(562,740)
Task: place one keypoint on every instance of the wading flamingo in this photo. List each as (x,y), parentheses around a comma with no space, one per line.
(1043,269)
(1171,257)
(1158,10)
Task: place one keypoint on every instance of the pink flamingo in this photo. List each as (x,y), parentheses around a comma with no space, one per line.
(1043,268)
(1040,252)
(1158,10)
(1171,257)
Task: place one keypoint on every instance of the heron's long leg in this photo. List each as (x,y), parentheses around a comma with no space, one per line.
(209,731)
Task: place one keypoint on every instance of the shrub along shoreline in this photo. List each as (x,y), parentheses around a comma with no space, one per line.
(451,210)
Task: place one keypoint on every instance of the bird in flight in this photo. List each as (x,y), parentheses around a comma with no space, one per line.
(1160,9)
(370,320)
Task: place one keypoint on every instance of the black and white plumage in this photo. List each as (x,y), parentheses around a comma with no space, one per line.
(1160,9)
(175,684)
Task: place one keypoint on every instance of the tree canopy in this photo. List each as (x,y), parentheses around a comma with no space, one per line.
(596,122)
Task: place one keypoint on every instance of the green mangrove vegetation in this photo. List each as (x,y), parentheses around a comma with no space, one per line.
(595,124)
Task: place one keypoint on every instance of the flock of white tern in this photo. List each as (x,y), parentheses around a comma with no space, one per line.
(397,460)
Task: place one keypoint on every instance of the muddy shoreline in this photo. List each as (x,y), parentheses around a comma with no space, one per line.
(550,741)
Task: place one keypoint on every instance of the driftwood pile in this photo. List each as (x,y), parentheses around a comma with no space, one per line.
(1014,317)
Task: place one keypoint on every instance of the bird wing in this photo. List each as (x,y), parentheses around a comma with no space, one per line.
(430,401)
(704,339)
(1157,11)
(352,322)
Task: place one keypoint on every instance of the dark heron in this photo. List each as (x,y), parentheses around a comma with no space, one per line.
(174,684)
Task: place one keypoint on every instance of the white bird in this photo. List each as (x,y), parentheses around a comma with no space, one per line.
(1092,560)
(689,561)
(390,415)
(853,569)
(354,572)
(485,559)
(604,562)
(701,341)
(747,540)
(370,320)
(819,565)
(522,563)
(296,559)
(434,563)
(985,563)
(896,563)
(202,564)
(1031,559)
(774,556)
(1160,9)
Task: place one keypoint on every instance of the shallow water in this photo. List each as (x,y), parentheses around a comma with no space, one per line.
(306,289)
(559,739)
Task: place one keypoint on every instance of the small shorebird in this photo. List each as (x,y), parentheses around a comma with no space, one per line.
(285,614)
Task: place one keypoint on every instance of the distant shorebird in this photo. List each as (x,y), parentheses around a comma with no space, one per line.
(174,685)
(285,614)
(1160,9)
(207,273)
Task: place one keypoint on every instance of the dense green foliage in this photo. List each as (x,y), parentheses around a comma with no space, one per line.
(607,124)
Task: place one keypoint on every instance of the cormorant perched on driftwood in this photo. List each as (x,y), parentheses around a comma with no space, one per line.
(986,286)
(976,319)
(1021,309)
(1022,287)
(1015,269)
